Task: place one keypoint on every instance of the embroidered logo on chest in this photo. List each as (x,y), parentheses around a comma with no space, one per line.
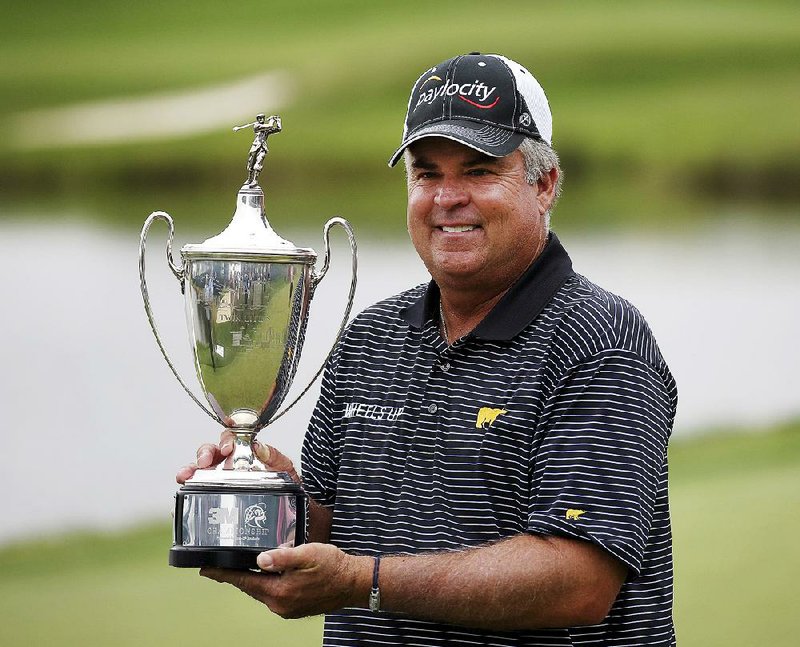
(487,416)
(371,411)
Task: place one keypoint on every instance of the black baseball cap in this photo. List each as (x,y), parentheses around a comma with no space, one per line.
(485,101)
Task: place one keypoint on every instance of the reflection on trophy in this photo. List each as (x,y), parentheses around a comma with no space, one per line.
(247,293)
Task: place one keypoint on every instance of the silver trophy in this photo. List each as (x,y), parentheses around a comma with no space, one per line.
(247,293)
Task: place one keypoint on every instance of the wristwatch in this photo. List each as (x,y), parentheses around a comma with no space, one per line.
(375,593)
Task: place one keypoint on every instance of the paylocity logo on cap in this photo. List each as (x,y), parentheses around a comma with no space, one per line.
(476,93)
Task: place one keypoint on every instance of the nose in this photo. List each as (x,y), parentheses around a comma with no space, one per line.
(450,195)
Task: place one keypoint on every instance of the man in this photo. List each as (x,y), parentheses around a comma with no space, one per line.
(487,460)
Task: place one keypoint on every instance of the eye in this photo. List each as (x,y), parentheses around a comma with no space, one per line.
(478,172)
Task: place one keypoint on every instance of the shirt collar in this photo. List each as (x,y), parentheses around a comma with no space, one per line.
(518,307)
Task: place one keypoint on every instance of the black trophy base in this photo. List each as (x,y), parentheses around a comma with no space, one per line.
(226,524)
(236,558)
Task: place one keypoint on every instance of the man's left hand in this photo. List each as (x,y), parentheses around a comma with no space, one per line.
(307,580)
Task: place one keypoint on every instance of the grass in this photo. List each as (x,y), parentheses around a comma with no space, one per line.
(104,590)
(734,501)
(698,99)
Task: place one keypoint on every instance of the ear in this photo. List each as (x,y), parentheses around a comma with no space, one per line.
(546,190)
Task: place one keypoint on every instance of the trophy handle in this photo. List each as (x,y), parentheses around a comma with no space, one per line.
(180,274)
(316,279)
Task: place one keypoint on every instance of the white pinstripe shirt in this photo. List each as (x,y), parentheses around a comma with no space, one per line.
(551,417)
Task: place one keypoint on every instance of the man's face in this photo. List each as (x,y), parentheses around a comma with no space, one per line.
(474,220)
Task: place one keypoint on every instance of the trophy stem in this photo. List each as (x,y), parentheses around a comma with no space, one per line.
(243,457)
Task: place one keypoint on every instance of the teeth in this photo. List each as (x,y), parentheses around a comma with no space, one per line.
(458,229)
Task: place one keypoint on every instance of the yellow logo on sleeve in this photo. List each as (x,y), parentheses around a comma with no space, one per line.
(574,515)
(487,416)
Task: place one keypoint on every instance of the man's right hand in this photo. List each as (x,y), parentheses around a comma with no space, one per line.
(210,455)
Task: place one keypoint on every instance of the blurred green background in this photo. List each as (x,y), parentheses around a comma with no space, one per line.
(683,98)
(666,115)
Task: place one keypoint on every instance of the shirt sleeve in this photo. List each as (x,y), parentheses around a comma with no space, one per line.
(601,455)
(319,456)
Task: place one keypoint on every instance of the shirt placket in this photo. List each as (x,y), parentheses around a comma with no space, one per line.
(434,407)
(431,404)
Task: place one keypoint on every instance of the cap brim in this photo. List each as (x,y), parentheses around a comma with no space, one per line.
(494,141)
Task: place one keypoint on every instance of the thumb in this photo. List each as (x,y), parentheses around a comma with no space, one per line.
(265,453)
(286,559)
(275,460)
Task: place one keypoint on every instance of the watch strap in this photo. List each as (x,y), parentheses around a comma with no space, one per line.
(375,593)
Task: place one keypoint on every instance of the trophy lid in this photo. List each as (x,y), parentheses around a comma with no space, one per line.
(249,236)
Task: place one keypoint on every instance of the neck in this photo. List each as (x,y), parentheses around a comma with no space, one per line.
(461,314)
(463,307)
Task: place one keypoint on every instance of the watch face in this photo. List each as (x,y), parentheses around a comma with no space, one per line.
(374,600)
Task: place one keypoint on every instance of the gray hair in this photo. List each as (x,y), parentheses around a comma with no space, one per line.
(540,159)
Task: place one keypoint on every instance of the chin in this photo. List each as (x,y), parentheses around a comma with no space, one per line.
(457,276)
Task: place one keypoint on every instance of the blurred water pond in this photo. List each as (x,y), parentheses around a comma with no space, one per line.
(96,425)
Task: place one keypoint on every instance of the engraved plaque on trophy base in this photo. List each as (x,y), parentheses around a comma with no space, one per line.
(227,524)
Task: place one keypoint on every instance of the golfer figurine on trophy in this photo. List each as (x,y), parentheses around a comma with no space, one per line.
(259,150)
(247,294)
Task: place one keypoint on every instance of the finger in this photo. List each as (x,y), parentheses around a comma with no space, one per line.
(264,452)
(257,585)
(228,576)
(240,579)
(226,442)
(185,473)
(275,460)
(208,454)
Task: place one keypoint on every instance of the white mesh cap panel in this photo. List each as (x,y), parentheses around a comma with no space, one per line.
(534,96)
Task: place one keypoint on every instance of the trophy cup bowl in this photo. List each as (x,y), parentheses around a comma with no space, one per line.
(247,294)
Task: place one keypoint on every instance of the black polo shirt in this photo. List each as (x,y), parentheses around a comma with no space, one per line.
(551,417)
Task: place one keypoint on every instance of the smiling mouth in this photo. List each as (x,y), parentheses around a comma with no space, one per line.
(457,229)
